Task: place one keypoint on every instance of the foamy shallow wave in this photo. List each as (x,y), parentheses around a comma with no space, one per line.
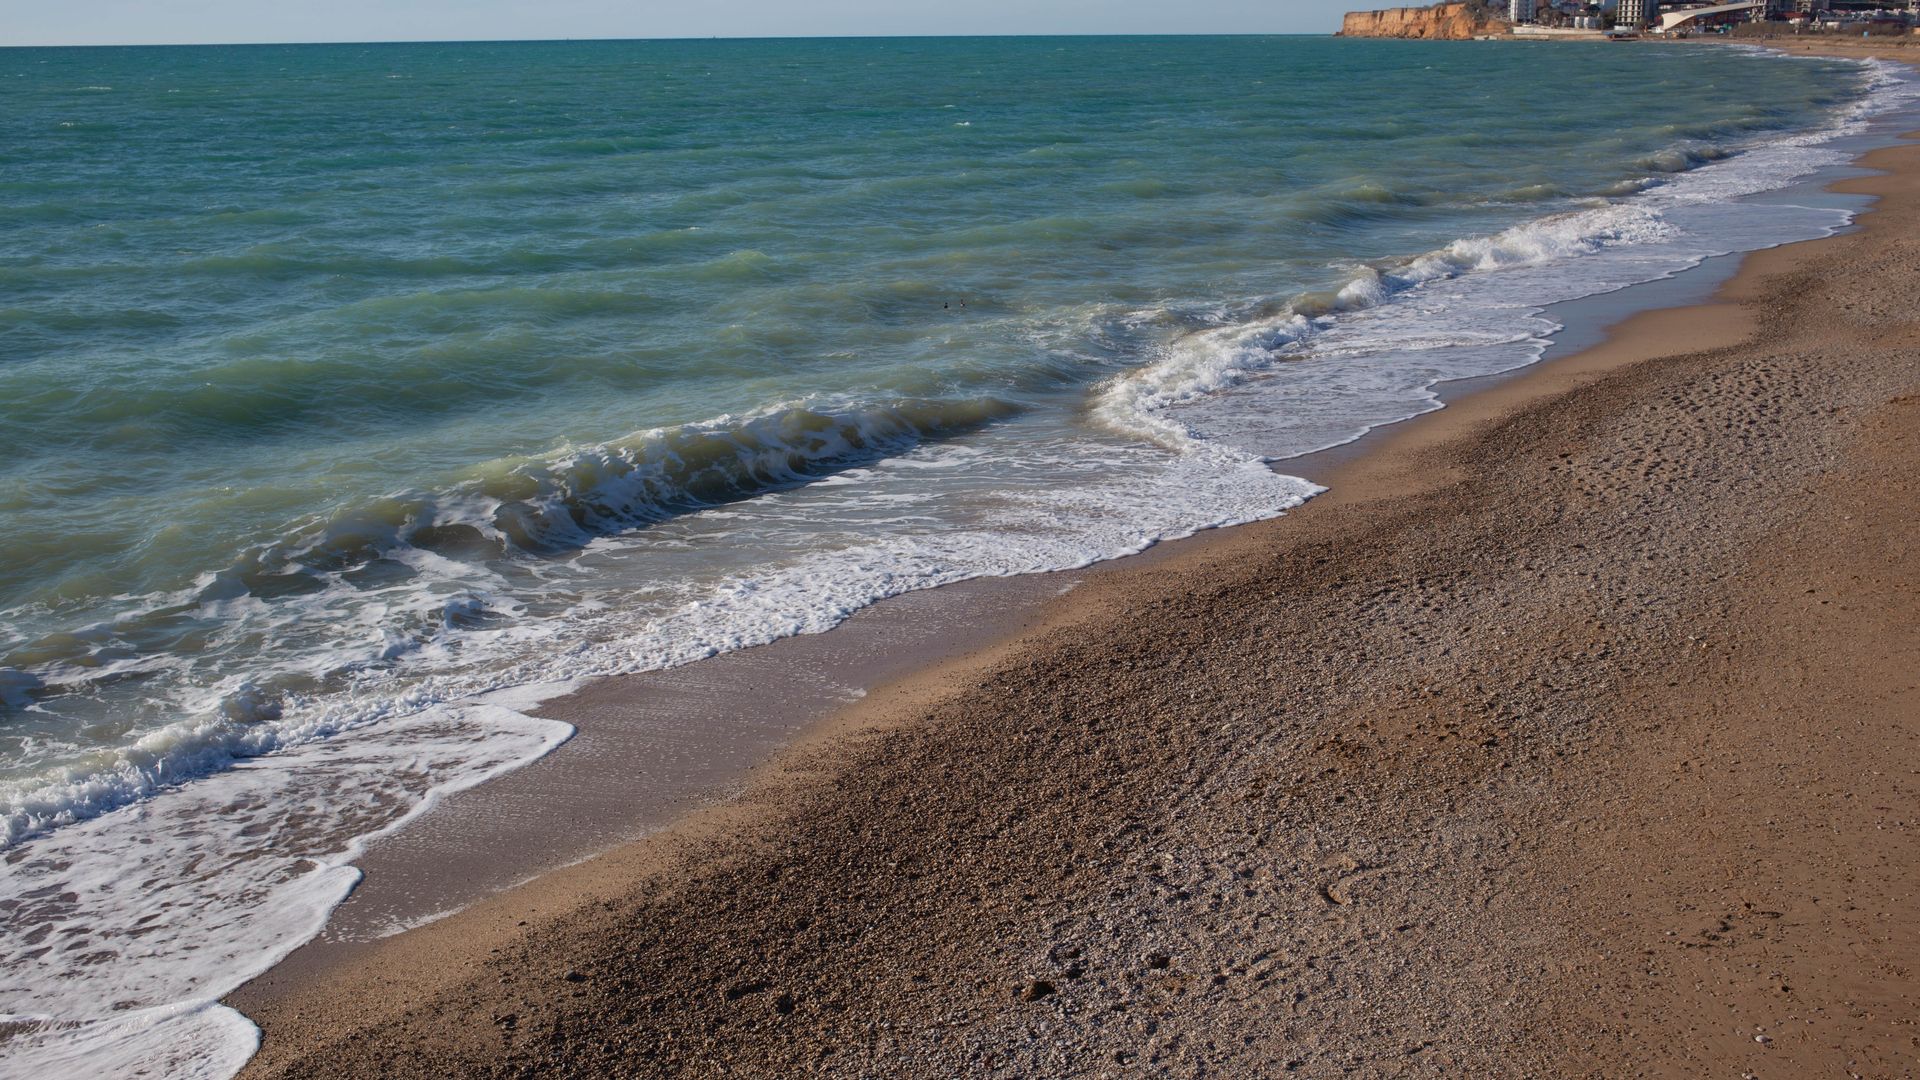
(540,506)
(1204,364)
(155,877)
(126,952)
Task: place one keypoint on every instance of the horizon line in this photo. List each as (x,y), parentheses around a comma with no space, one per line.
(704,37)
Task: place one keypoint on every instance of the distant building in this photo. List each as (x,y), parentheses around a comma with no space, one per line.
(1636,13)
(1521,11)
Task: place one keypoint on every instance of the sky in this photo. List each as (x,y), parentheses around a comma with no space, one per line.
(128,22)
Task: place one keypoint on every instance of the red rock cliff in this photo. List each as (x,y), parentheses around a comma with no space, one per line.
(1447,22)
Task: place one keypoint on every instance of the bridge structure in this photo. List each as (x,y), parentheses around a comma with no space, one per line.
(1686,18)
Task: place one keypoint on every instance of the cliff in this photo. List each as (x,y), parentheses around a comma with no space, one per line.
(1448,22)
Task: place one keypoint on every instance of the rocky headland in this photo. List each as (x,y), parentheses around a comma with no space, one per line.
(1440,22)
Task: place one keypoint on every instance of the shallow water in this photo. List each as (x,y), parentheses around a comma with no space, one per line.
(341,386)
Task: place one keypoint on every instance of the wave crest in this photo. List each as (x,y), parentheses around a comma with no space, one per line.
(510,510)
(1209,361)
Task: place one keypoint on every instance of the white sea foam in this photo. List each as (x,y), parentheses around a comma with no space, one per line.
(1202,365)
(152,879)
(120,952)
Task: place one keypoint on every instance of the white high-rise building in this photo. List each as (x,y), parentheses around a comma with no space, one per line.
(1521,11)
(1636,13)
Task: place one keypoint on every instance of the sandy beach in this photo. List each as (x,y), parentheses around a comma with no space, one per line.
(1570,734)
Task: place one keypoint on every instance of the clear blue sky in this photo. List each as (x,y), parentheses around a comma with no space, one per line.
(101,22)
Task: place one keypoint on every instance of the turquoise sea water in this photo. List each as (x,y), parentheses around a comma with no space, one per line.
(341,386)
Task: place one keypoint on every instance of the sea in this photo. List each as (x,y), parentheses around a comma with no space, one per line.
(356,398)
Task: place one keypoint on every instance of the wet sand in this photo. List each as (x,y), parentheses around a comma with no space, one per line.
(1571,734)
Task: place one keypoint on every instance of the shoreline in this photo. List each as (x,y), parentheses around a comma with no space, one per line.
(632,770)
(633,766)
(991,618)
(1365,473)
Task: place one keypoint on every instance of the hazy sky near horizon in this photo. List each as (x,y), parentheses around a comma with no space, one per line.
(118,22)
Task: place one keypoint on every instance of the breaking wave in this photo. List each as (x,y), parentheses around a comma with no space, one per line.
(511,510)
(1204,363)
